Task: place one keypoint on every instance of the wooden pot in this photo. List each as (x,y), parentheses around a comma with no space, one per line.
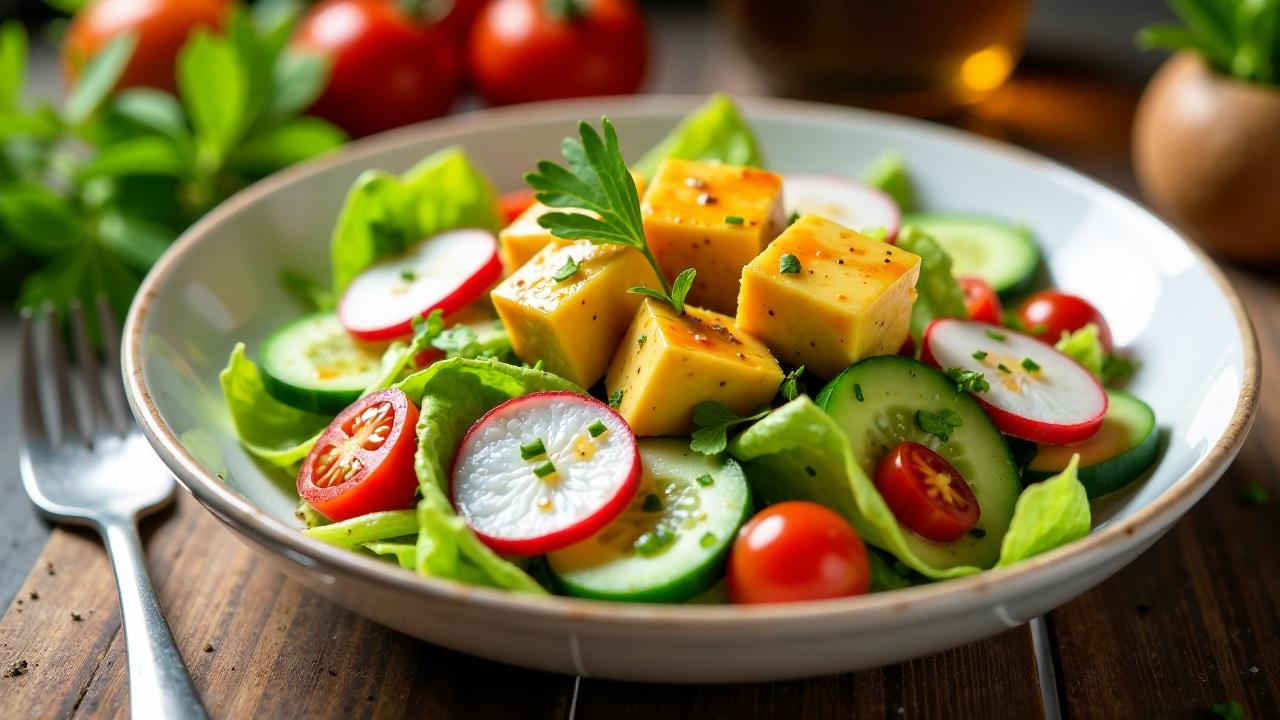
(1207,153)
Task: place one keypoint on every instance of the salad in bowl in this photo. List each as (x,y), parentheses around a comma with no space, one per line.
(687,380)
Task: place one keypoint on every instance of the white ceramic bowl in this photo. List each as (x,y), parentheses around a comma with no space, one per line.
(1165,301)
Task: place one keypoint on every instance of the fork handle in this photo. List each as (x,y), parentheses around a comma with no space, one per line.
(159,685)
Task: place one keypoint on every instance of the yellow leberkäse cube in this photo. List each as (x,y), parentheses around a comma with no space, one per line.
(668,363)
(524,237)
(714,218)
(850,298)
(573,325)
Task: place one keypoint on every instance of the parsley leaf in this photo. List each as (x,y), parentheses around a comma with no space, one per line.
(789,264)
(968,380)
(790,388)
(566,271)
(615,398)
(714,421)
(941,424)
(596,179)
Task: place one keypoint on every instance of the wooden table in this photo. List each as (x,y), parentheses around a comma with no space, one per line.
(1190,624)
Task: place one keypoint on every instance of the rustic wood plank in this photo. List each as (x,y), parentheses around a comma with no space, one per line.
(1193,622)
(274,648)
(994,678)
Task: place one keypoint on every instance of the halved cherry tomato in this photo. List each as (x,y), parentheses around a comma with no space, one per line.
(527,50)
(386,69)
(161,27)
(1049,313)
(363,462)
(981,300)
(797,551)
(926,494)
(514,203)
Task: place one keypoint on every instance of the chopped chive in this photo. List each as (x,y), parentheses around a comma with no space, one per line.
(567,270)
(734,220)
(706,480)
(1003,368)
(544,469)
(857,392)
(789,264)
(654,541)
(979,354)
(707,540)
(408,275)
(1030,365)
(996,335)
(596,428)
(640,341)
(532,449)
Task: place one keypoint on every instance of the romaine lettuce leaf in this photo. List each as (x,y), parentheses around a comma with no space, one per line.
(269,429)
(384,214)
(938,293)
(715,131)
(1049,514)
(373,527)
(799,453)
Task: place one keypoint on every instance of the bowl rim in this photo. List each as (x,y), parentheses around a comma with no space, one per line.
(264,530)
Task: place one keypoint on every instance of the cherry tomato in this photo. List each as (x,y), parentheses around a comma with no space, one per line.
(514,203)
(981,300)
(796,551)
(161,27)
(454,17)
(527,50)
(363,462)
(1049,313)
(926,494)
(386,71)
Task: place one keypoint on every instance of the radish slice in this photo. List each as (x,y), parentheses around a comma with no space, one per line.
(446,272)
(543,471)
(1036,393)
(842,200)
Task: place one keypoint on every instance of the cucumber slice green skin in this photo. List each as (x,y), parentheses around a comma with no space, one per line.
(893,389)
(1124,449)
(1003,254)
(289,360)
(612,570)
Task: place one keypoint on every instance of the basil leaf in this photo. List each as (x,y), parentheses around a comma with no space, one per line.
(680,288)
(98,79)
(296,140)
(215,92)
(146,155)
(39,219)
(154,110)
(13,64)
(299,80)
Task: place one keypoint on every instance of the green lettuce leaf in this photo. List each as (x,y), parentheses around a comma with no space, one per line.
(453,394)
(1049,514)
(938,293)
(383,214)
(367,528)
(1085,347)
(715,131)
(405,553)
(889,175)
(277,433)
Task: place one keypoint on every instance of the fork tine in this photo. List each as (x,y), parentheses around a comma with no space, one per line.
(33,425)
(57,378)
(113,388)
(90,407)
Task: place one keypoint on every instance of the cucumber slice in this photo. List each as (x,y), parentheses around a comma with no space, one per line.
(313,364)
(875,402)
(1123,449)
(1004,255)
(671,542)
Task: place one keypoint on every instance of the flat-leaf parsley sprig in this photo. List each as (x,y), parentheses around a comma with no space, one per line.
(597,179)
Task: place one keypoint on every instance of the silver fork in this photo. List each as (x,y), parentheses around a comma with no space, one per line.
(84,461)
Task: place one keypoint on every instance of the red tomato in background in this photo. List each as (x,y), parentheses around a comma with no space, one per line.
(527,50)
(1049,313)
(386,70)
(926,494)
(161,27)
(454,17)
(981,300)
(797,551)
(514,203)
(363,462)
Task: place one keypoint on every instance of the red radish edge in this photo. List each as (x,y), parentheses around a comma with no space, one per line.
(892,233)
(586,527)
(487,276)
(1023,427)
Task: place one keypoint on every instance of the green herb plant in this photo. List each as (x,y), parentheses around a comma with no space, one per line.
(597,179)
(1240,38)
(94,190)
